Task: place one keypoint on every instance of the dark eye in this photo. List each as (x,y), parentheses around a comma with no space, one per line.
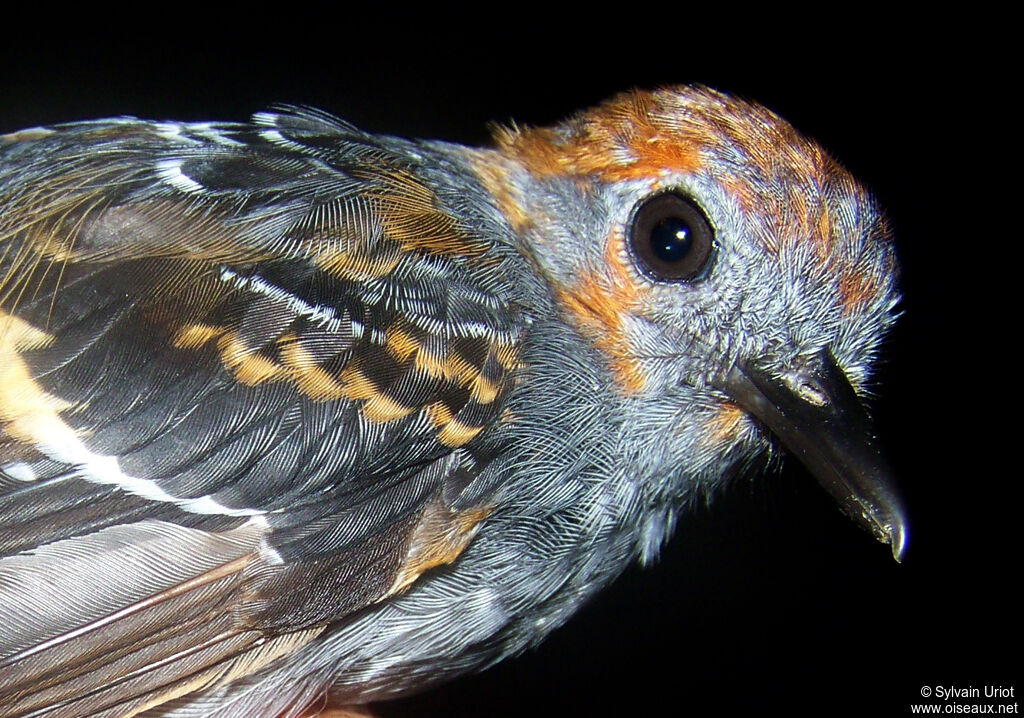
(671,239)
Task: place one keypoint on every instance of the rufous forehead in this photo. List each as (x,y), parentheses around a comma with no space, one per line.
(628,137)
(790,188)
(641,133)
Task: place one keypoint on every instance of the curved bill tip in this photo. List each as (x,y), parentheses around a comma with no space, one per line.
(882,515)
(817,415)
(888,522)
(898,541)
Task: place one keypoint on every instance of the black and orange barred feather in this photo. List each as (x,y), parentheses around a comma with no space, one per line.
(271,346)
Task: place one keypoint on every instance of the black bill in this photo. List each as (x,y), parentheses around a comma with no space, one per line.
(819,418)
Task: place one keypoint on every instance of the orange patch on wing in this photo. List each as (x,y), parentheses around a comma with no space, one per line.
(439,414)
(248,367)
(243,361)
(357,385)
(383,409)
(597,304)
(455,433)
(452,367)
(484,390)
(401,343)
(507,355)
(311,380)
(16,335)
(358,267)
(459,370)
(439,537)
(251,368)
(193,336)
(299,367)
(450,431)
(408,213)
(27,413)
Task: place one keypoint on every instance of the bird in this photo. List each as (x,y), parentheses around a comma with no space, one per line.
(295,417)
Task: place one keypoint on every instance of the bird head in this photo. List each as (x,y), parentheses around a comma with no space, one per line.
(734,278)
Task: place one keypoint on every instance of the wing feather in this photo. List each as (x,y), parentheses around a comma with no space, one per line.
(244,369)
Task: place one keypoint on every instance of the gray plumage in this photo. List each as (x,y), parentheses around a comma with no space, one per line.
(291,409)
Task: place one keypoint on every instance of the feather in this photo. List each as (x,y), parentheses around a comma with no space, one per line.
(241,366)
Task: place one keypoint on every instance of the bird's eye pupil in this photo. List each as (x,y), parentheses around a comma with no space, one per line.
(671,239)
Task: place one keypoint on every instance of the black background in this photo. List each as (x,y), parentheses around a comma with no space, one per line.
(768,599)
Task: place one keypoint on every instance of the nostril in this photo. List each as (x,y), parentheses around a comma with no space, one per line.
(811,393)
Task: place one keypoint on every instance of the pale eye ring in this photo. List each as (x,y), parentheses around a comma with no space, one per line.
(670,238)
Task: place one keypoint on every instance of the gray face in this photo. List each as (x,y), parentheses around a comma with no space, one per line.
(799,274)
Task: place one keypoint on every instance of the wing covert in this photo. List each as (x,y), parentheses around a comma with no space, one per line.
(278,325)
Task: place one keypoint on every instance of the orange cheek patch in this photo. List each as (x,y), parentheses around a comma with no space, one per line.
(440,536)
(860,287)
(597,304)
(856,289)
(725,424)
